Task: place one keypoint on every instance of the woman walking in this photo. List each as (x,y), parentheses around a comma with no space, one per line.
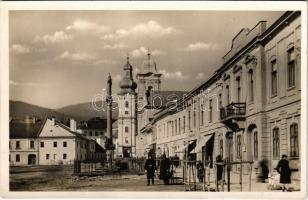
(284,170)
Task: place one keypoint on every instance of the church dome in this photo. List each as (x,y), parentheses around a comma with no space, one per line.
(127,84)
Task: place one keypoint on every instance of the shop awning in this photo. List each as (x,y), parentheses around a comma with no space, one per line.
(182,148)
(201,143)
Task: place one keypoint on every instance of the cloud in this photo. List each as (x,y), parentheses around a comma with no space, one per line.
(200,75)
(174,75)
(200,46)
(57,37)
(20,49)
(78,57)
(84,58)
(104,61)
(28,84)
(115,46)
(142,51)
(117,78)
(87,26)
(150,29)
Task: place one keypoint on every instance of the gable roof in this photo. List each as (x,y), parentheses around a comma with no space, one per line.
(19,130)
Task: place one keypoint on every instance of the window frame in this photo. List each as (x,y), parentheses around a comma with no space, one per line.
(291,62)
(294,141)
(274,71)
(255,145)
(17,157)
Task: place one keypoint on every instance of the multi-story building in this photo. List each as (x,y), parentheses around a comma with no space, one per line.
(249,109)
(23,141)
(95,128)
(59,144)
(49,142)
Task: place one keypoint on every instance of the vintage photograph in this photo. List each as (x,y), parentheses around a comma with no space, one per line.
(155,100)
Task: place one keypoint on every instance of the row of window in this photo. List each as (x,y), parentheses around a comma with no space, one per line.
(55,144)
(17,145)
(291,72)
(94,133)
(64,156)
(294,144)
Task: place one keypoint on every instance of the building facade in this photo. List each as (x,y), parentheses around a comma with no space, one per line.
(249,109)
(50,142)
(23,142)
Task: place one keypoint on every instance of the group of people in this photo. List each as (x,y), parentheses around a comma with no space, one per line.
(165,174)
(150,168)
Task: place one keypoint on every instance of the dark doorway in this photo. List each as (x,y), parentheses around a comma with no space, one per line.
(31,159)
(207,151)
(126,152)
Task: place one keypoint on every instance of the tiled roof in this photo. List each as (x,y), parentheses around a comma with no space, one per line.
(95,123)
(25,130)
(161,99)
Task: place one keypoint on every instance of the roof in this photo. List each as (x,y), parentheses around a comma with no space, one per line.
(25,130)
(99,148)
(162,99)
(94,124)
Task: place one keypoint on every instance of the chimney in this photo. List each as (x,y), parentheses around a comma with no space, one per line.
(53,120)
(73,125)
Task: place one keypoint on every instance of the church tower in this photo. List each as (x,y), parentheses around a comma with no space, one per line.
(148,78)
(127,119)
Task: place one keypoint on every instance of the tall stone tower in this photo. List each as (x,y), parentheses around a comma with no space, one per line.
(127,119)
(148,78)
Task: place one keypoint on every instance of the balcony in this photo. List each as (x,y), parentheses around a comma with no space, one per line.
(233,114)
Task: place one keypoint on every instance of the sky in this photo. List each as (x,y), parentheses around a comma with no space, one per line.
(60,58)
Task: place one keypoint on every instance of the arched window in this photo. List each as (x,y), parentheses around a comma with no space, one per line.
(294,149)
(276,143)
(255,145)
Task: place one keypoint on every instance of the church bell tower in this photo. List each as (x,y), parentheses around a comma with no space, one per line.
(127,118)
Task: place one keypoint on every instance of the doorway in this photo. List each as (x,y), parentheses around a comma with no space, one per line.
(31,159)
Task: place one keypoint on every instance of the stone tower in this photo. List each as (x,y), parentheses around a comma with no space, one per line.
(148,78)
(127,119)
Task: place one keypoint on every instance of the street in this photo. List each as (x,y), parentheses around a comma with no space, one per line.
(59,178)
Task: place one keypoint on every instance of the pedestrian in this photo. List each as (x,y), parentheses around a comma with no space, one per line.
(263,171)
(219,170)
(284,170)
(150,167)
(165,174)
(200,171)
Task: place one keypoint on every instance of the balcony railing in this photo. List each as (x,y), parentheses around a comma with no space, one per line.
(233,110)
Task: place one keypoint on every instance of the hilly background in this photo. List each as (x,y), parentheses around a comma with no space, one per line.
(80,112)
